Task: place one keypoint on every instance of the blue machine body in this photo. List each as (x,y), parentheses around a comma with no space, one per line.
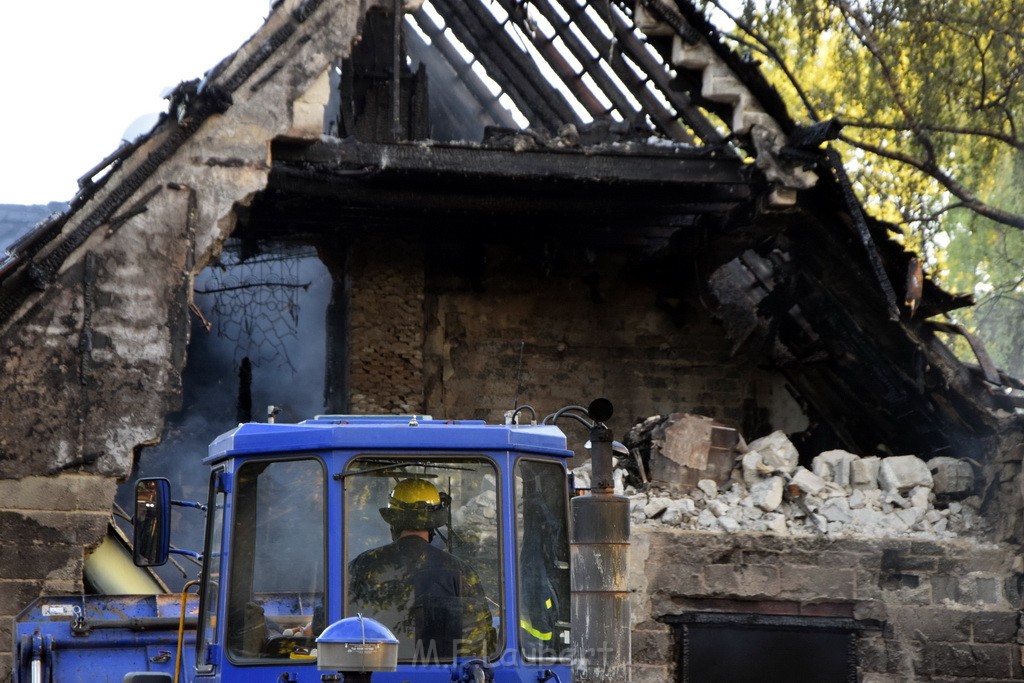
(102,637)
(338,450)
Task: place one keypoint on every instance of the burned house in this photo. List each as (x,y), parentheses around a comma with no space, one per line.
(454,207)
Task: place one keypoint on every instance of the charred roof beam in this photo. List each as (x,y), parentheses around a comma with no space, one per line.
(665,119)
(558,62)
(478,29)
(591,64)
(462,70)
(659,75)
(722,179)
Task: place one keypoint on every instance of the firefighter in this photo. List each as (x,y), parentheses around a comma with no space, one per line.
(427,596)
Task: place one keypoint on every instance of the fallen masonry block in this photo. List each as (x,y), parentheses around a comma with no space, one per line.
(864,472)
(754,468)
(952,476)
(903,472)
(679,450)
(777,451)
(767,494)
(835,466)
(807,481)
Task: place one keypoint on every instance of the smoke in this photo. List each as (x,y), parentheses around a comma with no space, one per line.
(269,308)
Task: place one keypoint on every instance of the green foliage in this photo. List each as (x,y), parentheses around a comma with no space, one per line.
(930,92)
(988,260)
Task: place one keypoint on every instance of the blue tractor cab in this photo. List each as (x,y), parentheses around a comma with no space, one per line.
(292,507)
(302,519)
(305,523)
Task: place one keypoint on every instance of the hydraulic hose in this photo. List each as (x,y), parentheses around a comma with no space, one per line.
(181,628)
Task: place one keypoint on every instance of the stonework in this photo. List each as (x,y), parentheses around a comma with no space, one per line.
(932,611)
(92,359)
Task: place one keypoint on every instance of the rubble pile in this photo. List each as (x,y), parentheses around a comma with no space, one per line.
(767,491)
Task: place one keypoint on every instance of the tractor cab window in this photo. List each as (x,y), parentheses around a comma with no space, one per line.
(276,602)
(542,542)
(423,553)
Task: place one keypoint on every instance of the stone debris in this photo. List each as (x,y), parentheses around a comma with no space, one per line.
(842,494)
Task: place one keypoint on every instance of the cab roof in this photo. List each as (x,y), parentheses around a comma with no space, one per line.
(386,433)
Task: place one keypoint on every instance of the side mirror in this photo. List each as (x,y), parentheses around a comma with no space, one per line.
(152,523)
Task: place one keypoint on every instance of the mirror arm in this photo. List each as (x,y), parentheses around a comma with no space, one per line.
(198,557)
(189,504)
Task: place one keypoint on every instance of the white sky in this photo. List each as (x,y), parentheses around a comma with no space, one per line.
(75,74)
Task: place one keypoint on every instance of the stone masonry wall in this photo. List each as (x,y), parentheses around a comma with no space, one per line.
(48,523)
(949,610)
(579,341)
(90,364)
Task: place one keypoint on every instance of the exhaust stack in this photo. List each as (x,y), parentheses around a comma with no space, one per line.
(599,553)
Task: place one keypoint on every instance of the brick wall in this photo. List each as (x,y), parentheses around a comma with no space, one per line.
(386,328)
(942,612)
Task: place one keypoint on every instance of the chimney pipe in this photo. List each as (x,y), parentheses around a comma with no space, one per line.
(599,553)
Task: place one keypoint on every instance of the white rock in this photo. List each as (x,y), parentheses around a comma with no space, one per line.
(717,508)
(836,510)
(920,497)
(686,506)
(709,487)
(752,513)
(864,472)
(857,499)
(767,494)
(776,523)
(903,472)
(729,524)
(873,497)
(672,517)
(867,518)
(777,450)
(706,519)
(656,507)
(754,469)
(834,466)
(807,481)
(910,516)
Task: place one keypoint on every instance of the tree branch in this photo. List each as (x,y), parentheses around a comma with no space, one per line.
(1010,140)
(929,167)
(771,52)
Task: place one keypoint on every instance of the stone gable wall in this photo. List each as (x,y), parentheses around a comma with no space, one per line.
(91,363)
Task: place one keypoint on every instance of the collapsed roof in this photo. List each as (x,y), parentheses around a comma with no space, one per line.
(632,121)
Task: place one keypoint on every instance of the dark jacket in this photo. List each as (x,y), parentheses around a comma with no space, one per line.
(430,599)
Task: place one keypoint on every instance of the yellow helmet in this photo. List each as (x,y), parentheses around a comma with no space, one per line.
(415,504)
